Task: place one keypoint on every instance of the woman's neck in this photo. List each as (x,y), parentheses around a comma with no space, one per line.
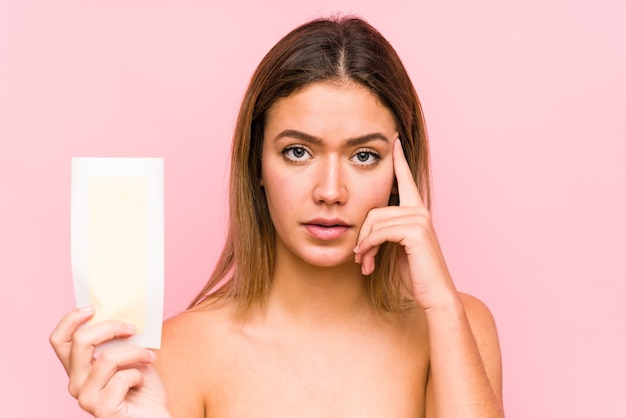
(319,295)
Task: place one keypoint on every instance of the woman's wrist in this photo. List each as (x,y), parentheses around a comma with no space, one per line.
(446,304)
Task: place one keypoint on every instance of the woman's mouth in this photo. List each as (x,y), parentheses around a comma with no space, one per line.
(326,229)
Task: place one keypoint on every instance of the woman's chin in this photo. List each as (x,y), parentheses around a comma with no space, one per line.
(329,260)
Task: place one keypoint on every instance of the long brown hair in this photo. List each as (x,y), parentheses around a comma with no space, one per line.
(340,49)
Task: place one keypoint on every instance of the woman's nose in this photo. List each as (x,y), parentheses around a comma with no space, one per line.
(330,186)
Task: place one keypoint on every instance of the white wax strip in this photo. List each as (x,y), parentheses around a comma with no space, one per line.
(116,248)
(117,242)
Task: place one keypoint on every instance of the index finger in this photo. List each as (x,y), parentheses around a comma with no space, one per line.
(61,337)
(407,189)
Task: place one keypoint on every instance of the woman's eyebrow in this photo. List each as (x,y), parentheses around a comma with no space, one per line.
(359,140)
(291,133)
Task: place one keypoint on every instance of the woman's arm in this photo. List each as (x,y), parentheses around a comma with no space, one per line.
(465,360)
(465,378)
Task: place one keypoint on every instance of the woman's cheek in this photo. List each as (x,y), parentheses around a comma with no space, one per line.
(379,188)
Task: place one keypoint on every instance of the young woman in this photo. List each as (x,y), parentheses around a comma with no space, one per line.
(331,297)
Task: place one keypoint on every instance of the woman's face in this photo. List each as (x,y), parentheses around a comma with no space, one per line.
(327,160)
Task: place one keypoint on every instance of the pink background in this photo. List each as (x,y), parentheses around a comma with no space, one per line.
(525,107)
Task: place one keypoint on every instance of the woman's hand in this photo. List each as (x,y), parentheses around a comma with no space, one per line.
(422,265)
(120,382)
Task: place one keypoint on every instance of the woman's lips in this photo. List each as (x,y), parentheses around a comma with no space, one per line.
(326,231)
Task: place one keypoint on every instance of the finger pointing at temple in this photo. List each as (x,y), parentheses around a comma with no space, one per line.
(407,189)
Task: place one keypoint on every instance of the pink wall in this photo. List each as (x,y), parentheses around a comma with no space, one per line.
(525,108)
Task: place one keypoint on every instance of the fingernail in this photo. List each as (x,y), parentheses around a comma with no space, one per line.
(152,355)
(356,249)
(130,327)
(86,309)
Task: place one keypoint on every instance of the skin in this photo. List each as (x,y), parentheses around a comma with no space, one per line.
(316,348)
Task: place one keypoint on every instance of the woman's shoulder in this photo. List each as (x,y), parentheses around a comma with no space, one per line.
(191,339)
(478,314)
(198,324)
(185,359)
(484,330)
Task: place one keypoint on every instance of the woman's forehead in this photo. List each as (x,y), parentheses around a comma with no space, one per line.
(328,109)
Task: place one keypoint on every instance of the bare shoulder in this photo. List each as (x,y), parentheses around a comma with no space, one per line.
(481,320)
(478,313)
(485,333)
(183,361)
(195,324)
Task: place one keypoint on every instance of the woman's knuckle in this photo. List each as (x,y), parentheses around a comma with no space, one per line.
(132,376)
(373,211)
(79,338)
(85,402)
(54,340)
(424,213)
(106,358)
(126,378)
(73,389)
(101,410)
(420,230)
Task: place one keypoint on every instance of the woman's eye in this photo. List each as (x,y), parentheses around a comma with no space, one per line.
(366,157)
(296,153)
